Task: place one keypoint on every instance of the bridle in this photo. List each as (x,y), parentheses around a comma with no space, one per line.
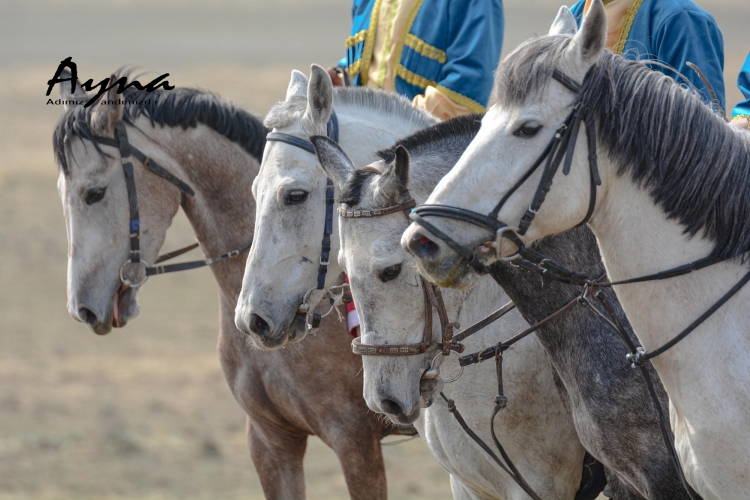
(332,131)
(561,147)
(128,270)
(433,299)
(450,343)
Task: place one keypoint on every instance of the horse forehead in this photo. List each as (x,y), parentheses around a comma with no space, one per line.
(374,243)
(284,161)
(85,164)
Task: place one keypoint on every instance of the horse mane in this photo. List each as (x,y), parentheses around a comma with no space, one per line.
(694,166)
(286,112)
(440,145)
(181,107)
(425,139)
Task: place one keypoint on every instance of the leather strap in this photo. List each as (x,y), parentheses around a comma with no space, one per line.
(149,164)
(332,130)
(376,212)
(126,150)
(127,166)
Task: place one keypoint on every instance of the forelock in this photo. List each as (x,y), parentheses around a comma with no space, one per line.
(527,71)
(285,113)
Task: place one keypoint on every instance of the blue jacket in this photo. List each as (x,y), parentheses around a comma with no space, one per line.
(453,45)
(673,32)
(743,82)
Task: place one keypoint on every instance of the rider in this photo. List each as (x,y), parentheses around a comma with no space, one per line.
(672,32)
(440,53)
(741,113)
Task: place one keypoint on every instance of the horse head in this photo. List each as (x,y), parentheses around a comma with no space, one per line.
(96,207)
(530,125)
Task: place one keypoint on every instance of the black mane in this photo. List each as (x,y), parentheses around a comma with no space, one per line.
(422,141)
(181,107)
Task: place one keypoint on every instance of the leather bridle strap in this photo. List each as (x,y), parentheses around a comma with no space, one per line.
(127,151)
(560,148)
(332,131)
(433,298)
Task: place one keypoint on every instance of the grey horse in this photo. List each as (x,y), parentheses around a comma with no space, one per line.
(608,400)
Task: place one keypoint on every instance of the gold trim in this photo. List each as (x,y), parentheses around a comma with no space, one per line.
(355,39)
(407,28)
(740,117)
(366,58)
(626,25)
(387,45)
(425,48)
(354,68)
(413,78)
(461,99)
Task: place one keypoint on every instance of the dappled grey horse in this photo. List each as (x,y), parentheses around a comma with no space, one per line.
(608,400)
(215,148)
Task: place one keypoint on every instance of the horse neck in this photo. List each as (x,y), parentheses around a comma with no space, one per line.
(222,212)
(576,250)
(636,238)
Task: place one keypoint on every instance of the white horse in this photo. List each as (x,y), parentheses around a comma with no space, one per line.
(675,187)
(283,264)
(290,194)
(535,429)
(215,147)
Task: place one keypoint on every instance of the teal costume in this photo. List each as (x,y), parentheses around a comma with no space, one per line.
(453,45)
(673,32)
(742,110)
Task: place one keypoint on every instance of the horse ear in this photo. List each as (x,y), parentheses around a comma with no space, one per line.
(334,161)
(78,95)
(395,179)
(564,24)
(590,40)
(319,95)
(297,85)
(105,116)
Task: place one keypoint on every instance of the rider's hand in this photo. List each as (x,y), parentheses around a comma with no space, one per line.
(336,78)
(741,123)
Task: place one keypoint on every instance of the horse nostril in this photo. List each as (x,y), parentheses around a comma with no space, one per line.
(392,408)
(259,326)
(423,247)
(87,316)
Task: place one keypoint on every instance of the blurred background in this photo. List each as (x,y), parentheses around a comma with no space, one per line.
(145,413)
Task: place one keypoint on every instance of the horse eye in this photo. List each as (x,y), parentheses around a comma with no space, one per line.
(528,129)
(94,195)
(390,273)
(296,197)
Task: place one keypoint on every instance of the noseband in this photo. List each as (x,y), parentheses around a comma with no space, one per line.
(433,298)
(332,131)
(127,151)
(561,147)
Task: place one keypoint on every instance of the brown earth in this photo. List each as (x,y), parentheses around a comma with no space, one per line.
(144,412)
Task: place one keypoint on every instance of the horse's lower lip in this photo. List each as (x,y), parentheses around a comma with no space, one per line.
(117,305)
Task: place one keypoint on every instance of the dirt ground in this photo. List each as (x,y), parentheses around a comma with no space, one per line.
(144,413)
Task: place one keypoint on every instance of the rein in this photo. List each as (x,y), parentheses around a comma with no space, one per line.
(127,151)
(562,146)
(450,343)
(332,131)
